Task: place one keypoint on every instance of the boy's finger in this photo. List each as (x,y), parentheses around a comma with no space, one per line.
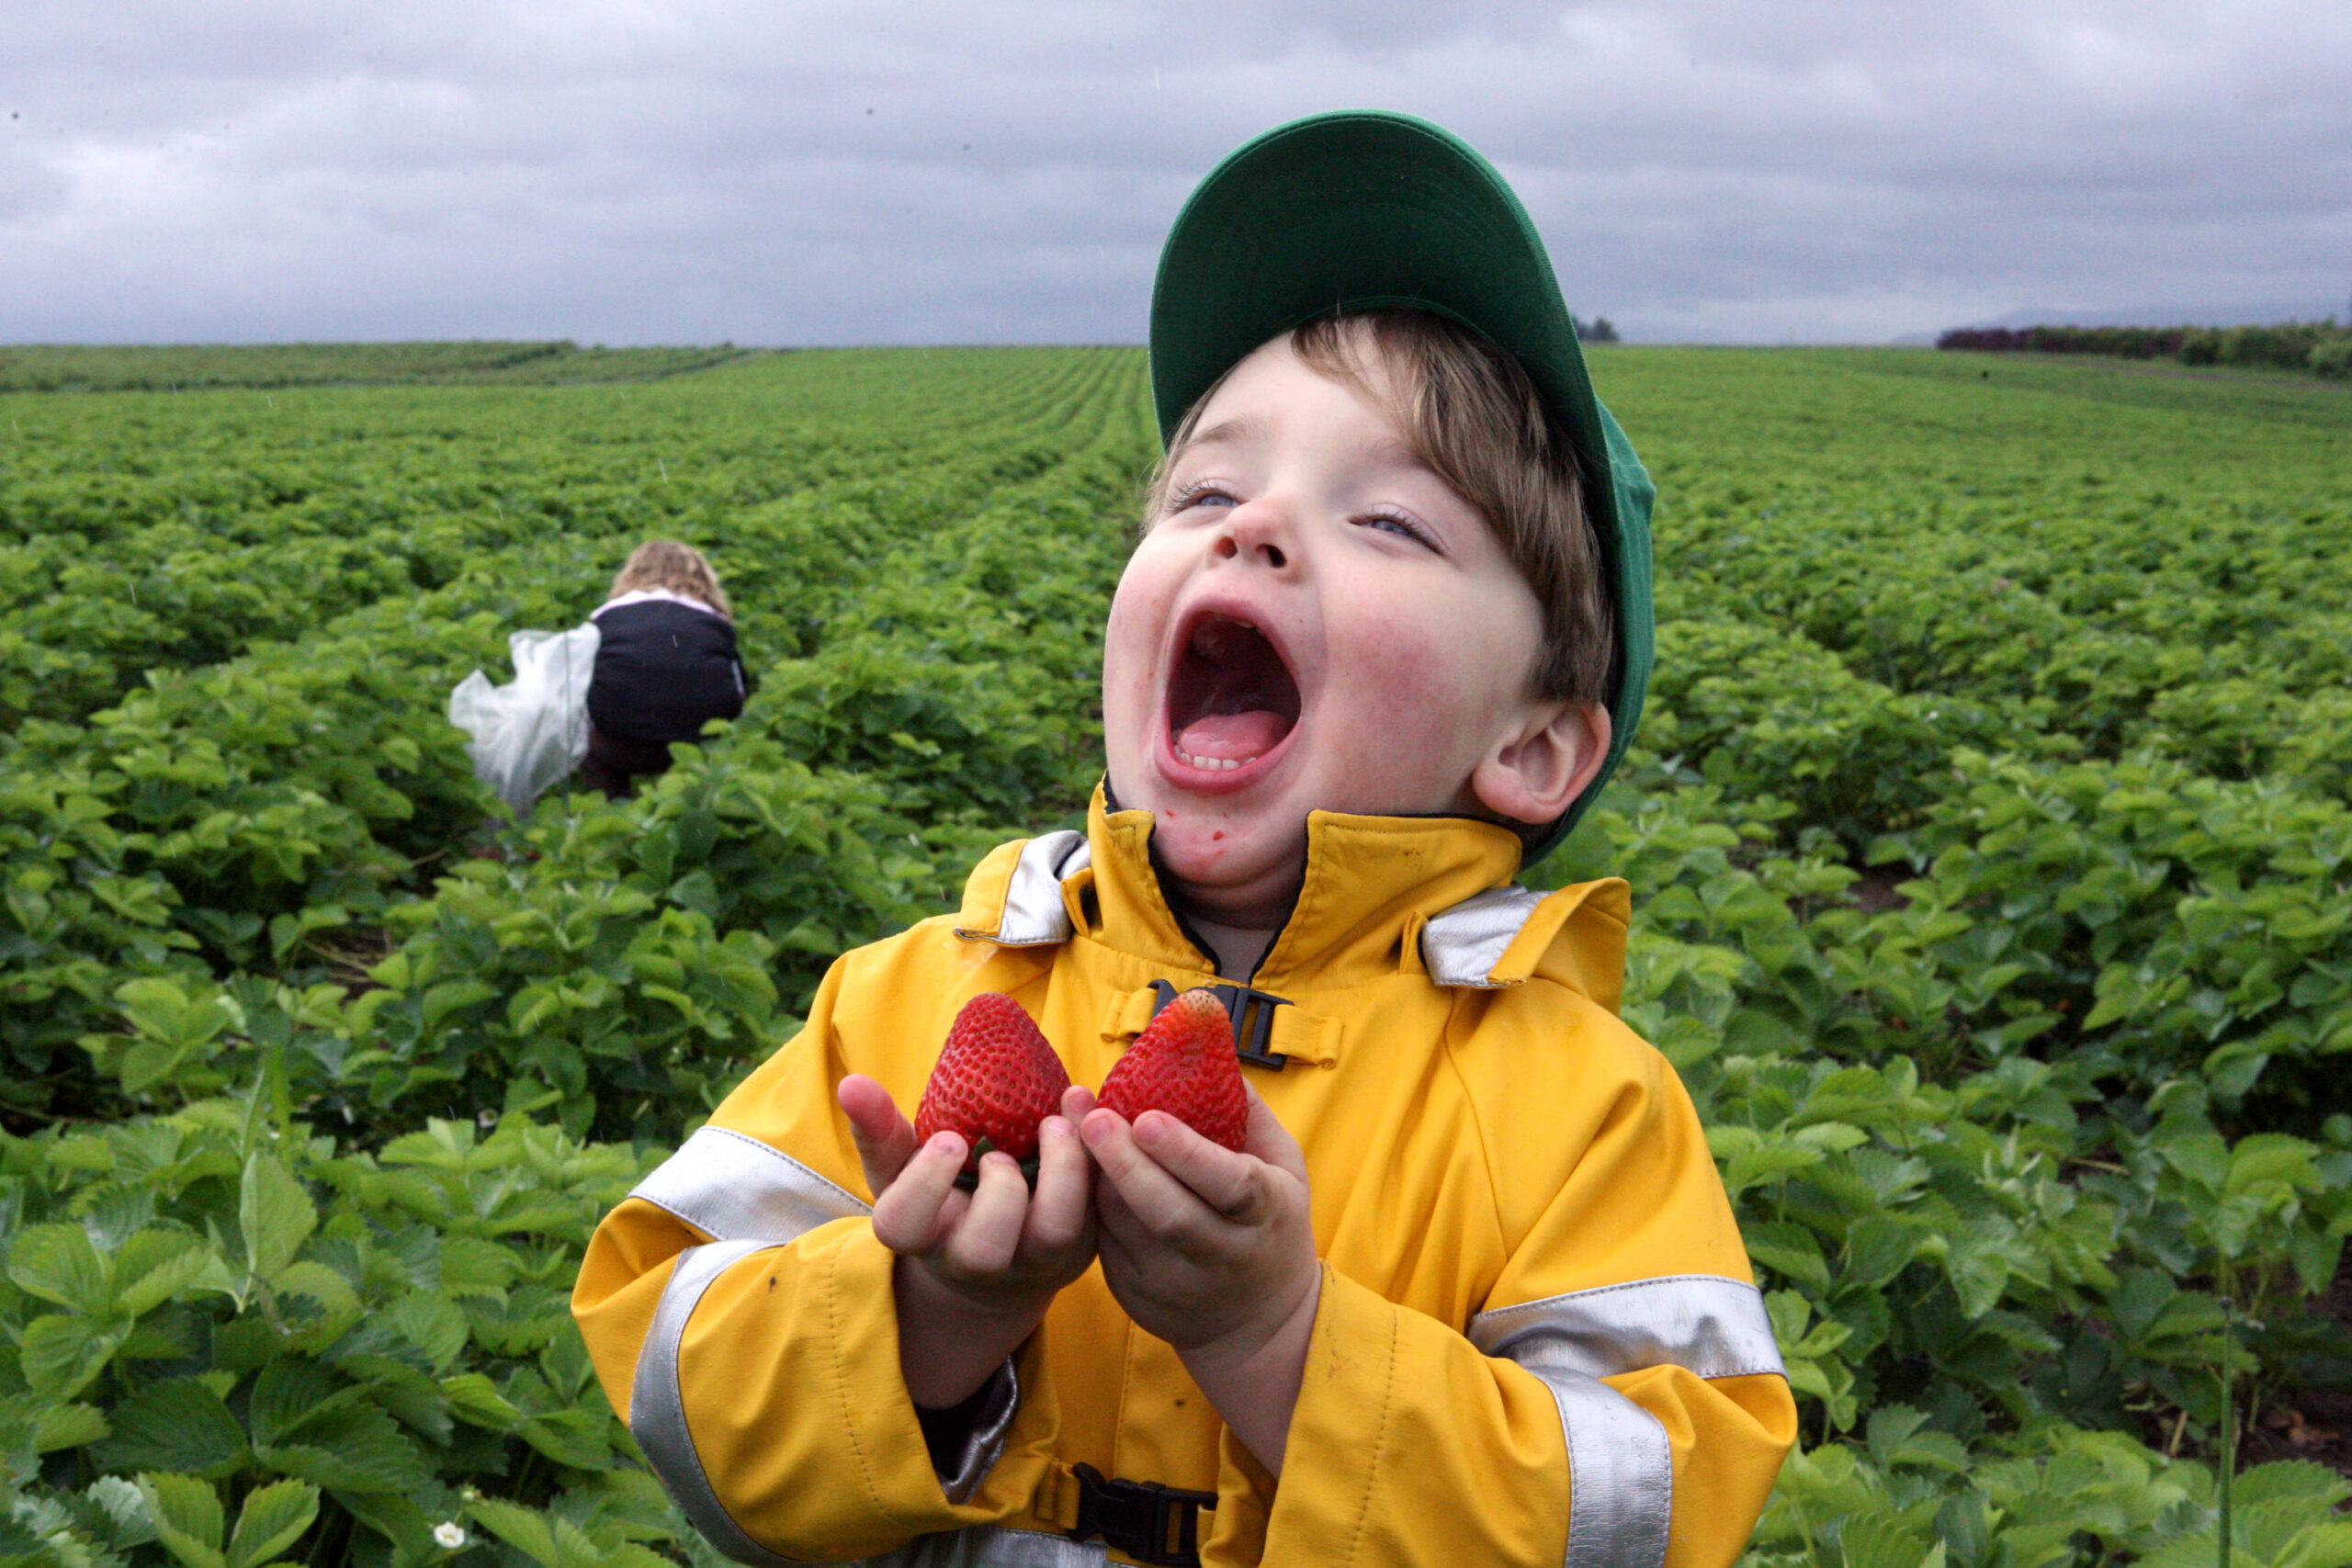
(1058,1209)
(909,1213)
(985,1239)
(885,1139)
(1222,1180)
(1268,1139)
(1111,1211)
(1122,1248)
(1160,1203)
(1077,1101)
(1120,1238)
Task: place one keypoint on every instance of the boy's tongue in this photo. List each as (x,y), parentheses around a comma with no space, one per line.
(1231,697)
(1233,737)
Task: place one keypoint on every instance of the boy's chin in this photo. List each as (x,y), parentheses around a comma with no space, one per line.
(1227,868)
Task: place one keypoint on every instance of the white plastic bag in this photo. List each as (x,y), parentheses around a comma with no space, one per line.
(527,735)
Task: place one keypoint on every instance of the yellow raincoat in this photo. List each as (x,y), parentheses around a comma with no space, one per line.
(1537,1341)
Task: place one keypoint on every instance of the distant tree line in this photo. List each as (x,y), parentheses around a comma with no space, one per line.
(74,367)
(1597,330)
(2321,348)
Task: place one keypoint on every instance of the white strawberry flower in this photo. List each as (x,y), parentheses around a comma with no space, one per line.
(450,1535)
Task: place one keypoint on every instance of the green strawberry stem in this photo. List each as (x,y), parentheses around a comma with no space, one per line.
(970,1176)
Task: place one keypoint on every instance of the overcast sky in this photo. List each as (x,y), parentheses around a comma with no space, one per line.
(783,172)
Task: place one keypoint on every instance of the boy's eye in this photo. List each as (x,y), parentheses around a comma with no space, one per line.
(1403,527)
(1205,494)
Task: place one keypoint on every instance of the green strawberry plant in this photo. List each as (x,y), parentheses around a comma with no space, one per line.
(230,1333)
(1987,830)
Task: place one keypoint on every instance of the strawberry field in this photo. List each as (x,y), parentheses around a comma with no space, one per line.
(1988,831)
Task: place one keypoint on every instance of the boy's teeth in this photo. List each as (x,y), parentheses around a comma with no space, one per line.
(1214,764)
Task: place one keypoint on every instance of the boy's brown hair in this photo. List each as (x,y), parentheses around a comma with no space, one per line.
(679,568)
(1473,415)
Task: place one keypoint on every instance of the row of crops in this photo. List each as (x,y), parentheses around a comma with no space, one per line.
(1988,835)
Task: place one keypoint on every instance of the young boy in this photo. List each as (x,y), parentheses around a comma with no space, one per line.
(1473,1293)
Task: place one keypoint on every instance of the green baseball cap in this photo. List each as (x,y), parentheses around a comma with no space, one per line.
(1364,209)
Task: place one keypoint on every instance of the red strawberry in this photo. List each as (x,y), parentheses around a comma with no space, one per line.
(997,1078)
(1183,1064)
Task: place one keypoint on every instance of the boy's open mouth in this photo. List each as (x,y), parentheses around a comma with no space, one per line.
(1231,698)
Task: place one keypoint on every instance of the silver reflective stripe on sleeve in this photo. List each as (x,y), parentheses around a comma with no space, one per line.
(1706,1324)
(657,1410)
(734,1188)
(1621,1467)
(1621,1475)
(1460,946)
(748,1197)
(985,1441)
(1032,914)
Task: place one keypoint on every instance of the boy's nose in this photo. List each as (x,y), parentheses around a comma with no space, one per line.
(1259,532)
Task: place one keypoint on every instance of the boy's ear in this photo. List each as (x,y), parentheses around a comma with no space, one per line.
(1538,771)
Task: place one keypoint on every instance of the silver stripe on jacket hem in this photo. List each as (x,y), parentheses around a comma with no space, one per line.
(1621,1476)
(732,1187)
(657,1410)
(1033,914)
(1460,946)
(1707,1324)
(978,1451)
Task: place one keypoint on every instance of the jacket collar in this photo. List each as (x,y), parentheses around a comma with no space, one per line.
(1370,884)
(1380,894)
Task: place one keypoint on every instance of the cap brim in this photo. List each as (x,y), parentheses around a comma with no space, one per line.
(1361,210)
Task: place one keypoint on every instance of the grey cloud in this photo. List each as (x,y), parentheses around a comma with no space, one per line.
(901,172)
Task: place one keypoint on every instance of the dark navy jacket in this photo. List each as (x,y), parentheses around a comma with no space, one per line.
(663,670)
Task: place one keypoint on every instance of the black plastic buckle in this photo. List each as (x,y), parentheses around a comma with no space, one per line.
(1253,1020)
(1149,1522)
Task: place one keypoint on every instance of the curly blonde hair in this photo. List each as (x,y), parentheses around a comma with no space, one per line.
(679,568)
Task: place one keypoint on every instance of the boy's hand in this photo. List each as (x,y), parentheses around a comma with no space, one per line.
(975,1269)
(1214,1252)
(998,1244)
